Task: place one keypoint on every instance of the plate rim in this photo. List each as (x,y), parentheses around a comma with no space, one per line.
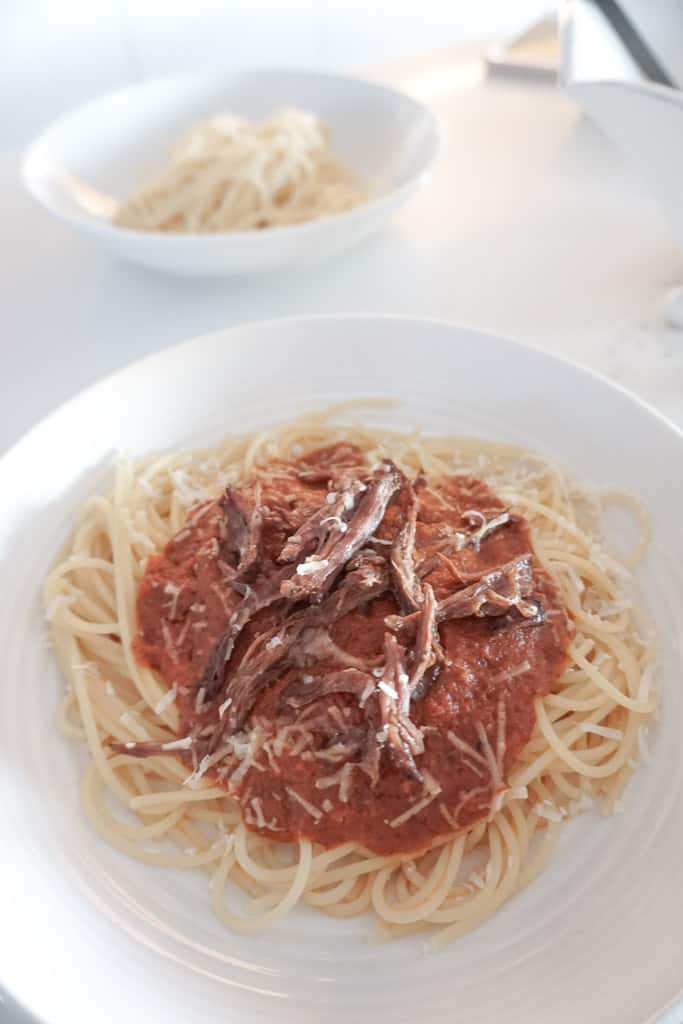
(229,333)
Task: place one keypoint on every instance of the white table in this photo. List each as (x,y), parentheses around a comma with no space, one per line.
(530,227)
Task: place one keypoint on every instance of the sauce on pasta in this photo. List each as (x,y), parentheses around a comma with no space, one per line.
(312,756)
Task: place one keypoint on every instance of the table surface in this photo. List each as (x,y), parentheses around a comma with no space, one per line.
(530,226)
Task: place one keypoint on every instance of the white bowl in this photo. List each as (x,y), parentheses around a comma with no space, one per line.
(87,161)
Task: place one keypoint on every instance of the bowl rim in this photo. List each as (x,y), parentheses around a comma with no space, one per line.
(40,143)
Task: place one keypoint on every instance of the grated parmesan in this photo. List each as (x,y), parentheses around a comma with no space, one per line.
(310,566)
(165,702)
(415,809)
(369,688)
(199,771)
(182,744)
(549,813)
(310,808)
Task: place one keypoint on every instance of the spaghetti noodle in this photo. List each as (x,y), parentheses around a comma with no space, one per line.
(228,174)
(588,725)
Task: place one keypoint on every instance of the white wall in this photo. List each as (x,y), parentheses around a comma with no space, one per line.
(56,53)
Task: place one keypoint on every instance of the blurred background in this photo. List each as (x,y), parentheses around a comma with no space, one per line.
(57,53)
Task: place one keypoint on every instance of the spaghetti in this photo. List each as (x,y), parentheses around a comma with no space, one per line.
(228,174)
(588,712)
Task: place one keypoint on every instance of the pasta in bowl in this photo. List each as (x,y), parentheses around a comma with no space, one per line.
(228,174)
(304,166)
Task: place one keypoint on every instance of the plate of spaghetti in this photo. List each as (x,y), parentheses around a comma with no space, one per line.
(234,173)
(351,696)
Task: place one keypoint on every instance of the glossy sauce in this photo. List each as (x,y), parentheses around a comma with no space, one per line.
(184,606)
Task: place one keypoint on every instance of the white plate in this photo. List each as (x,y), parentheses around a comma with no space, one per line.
(87,161)
(87,934)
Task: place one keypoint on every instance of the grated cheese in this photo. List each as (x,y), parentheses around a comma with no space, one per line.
(183,744)
(415,809)
(341,525)
(389,690)
(512,673)
(165,701)
(257,808)
(548,813)
(310,808)
(169,646)
(345,783)
(174,593)
(369,688)
(199,771)
(310,566)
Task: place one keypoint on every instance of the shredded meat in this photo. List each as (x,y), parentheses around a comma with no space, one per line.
(427,646)
(402,557)
(315,576)
(262,593)
(366,579)
(496,593)
(348,680)
(330,520)
(243,529)
(404,737)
